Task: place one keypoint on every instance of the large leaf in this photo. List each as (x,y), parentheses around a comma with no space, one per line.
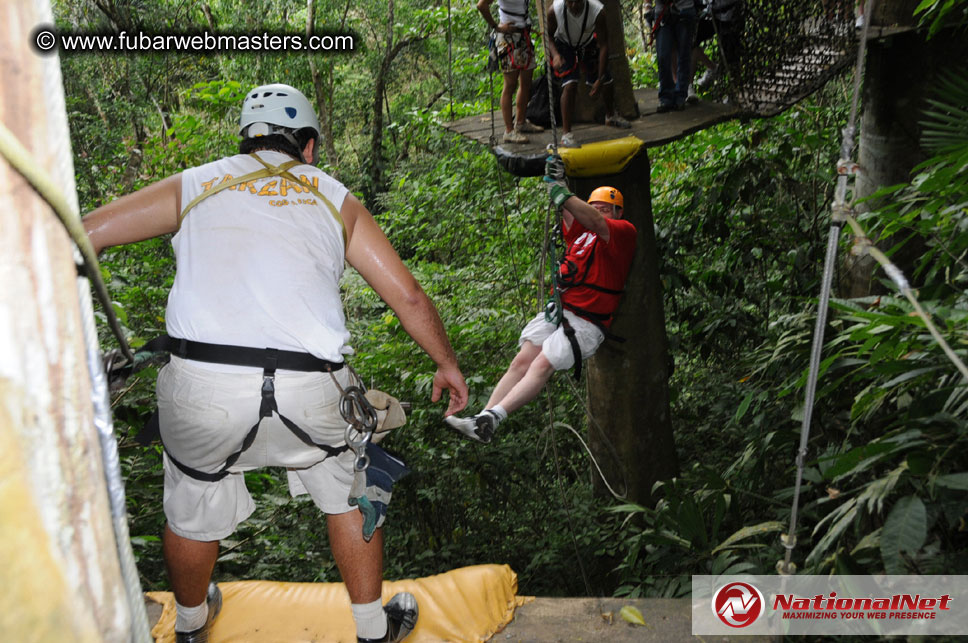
(903,532)
(953,481)
(749,532)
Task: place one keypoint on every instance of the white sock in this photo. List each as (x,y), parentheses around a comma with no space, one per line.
(189,619)
(499,411)
(371,620)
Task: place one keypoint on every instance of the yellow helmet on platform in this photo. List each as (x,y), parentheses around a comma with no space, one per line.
(607,194)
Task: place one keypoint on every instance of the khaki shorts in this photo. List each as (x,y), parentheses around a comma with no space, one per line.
(554,343)
(205,415)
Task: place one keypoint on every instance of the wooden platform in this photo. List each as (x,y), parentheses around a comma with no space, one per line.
(652,128)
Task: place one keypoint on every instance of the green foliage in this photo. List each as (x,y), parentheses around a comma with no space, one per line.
(741,212)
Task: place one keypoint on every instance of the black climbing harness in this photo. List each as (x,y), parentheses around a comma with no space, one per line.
(269,360)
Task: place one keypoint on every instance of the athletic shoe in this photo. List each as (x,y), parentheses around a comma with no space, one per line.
(401,611)
(529,128)
(569,140)
(480,427)
(515,136)
(665,107)
(214,600)
(691,95)
(617,121)
(707,79)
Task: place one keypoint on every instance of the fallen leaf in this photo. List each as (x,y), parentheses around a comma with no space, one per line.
(632,615)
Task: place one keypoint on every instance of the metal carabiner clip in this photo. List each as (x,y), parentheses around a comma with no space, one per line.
(358,446)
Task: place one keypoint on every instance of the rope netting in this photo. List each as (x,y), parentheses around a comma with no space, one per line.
(777,52)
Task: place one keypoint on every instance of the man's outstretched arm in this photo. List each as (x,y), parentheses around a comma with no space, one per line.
(371,254)
(150,212)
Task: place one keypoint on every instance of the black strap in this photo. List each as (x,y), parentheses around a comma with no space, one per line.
(269,359)
(598,319)
(575,348)
(240,355)
(584,22)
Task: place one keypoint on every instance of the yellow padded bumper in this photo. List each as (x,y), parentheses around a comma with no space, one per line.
(599,159)
(466,604)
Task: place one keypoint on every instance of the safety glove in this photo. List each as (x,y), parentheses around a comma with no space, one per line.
(555,181)
(372,488)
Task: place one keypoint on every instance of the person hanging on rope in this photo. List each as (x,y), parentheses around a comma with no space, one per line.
(580,39)
(258,264)
(591,279)
(511,40)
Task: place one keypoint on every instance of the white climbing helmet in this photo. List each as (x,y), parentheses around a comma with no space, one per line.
(278,104)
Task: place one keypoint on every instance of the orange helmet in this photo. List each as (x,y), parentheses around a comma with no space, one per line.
(607,194)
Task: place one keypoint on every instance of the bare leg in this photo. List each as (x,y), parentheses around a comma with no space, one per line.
(568,94)
(530,385)
(524,95)
(507,94)
(360,563)
(189,564)
(517,370)
(608,97)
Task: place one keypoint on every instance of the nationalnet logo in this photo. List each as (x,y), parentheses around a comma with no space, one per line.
(830,605)
(738,604)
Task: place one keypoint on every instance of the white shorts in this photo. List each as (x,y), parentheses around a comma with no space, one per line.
(205,415)
(554,343)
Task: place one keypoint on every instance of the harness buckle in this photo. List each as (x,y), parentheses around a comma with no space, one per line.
(268,395)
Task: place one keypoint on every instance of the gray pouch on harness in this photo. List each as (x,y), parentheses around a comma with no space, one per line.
(373,487)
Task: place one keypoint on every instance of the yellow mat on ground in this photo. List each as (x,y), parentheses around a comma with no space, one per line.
(466,604)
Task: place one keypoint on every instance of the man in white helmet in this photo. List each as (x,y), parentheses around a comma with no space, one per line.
(260,242)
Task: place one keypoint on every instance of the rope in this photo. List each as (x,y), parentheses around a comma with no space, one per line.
(450,61)
(789,540)
(20,159)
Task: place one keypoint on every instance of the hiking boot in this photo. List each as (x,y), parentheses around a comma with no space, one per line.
(214,600)
(569,140)
(707,79)
(617,121)
(401,611)
(665,107)
(480,427)
(691,97)
(528,127)
(515,136)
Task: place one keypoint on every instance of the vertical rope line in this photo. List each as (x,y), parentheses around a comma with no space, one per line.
(450,61)
(836,223)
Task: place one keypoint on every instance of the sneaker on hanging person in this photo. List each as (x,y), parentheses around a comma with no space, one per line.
(401,616)
(480,427)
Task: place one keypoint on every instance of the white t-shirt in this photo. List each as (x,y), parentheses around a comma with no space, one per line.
(259,264)
(570,25)
(518,16)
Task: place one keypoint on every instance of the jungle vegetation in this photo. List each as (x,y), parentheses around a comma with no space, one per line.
(741,214)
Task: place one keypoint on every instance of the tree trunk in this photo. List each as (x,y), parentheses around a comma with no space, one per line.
(628,383)
(900,72)
(323,96)
(58,559)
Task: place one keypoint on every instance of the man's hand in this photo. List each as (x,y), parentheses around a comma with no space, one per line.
(505,27)
(452,379)
(598,85)
(558,62)
(554,168)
